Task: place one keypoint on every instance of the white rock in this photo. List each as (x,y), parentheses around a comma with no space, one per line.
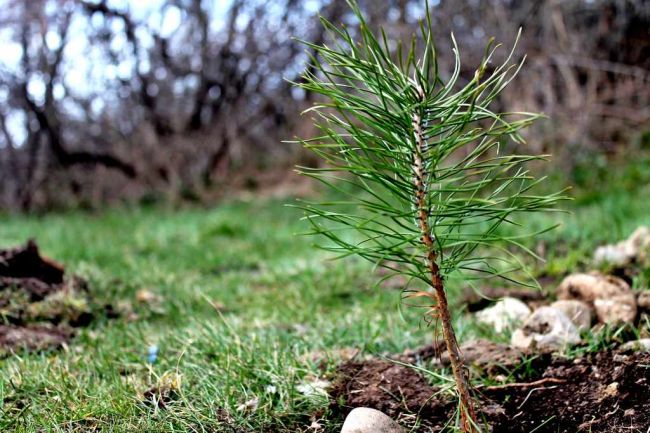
(313,387)
(615,255)
(640,239)
(612,298)
(505,314)
(634,248)
(643,300)
(642,345)
(577,311)
(592,286)
(546,328)
(617,309)
(367,420)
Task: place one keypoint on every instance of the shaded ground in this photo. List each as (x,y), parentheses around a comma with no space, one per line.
(39,307)
(602,392)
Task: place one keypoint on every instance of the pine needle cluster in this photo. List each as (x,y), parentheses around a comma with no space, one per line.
(420,161)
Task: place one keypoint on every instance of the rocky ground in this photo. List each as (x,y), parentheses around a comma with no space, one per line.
(578,360)
(606,391)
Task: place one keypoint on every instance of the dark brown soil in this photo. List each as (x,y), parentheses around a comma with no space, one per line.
(33,337)
(602,392)
(27,263)
(398,391)
(39,305)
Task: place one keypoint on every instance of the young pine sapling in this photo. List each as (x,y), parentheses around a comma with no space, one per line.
(429,185)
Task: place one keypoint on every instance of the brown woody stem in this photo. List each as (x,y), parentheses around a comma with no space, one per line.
(467,411)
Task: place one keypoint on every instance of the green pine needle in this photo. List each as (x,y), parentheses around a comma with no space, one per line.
(374,103)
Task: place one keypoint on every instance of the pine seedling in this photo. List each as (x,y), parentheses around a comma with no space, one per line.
(419,159)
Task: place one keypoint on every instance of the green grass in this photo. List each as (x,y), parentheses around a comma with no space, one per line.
(244,304)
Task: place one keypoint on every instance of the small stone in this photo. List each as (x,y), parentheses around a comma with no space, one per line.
(146,296)
(547,328)
(629,412)
(612,298)
(640,240)
(643,301)
(504,314)
(577,311)
(620,358)
(618,255)
(611,390)
(642,345)
(617,309)
(591,286)
(633,249)
(367,420)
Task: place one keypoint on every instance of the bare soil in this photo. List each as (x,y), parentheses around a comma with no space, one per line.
(33,337)
(39,305)
(601,392)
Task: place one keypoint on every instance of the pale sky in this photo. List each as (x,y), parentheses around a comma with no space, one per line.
(84,68)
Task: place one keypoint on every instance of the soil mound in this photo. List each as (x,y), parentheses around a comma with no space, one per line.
(396,390)
(26,263)
(39,305)
(601,392)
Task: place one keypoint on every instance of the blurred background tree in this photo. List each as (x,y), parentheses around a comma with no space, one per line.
(105,101)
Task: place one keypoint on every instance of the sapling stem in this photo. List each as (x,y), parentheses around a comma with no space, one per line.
(467,411)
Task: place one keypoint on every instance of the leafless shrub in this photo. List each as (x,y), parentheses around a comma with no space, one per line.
(103,103)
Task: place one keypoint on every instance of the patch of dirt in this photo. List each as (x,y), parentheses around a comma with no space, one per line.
(602,392)
(398,391)
(39,305)
(33,337)
(27,263)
